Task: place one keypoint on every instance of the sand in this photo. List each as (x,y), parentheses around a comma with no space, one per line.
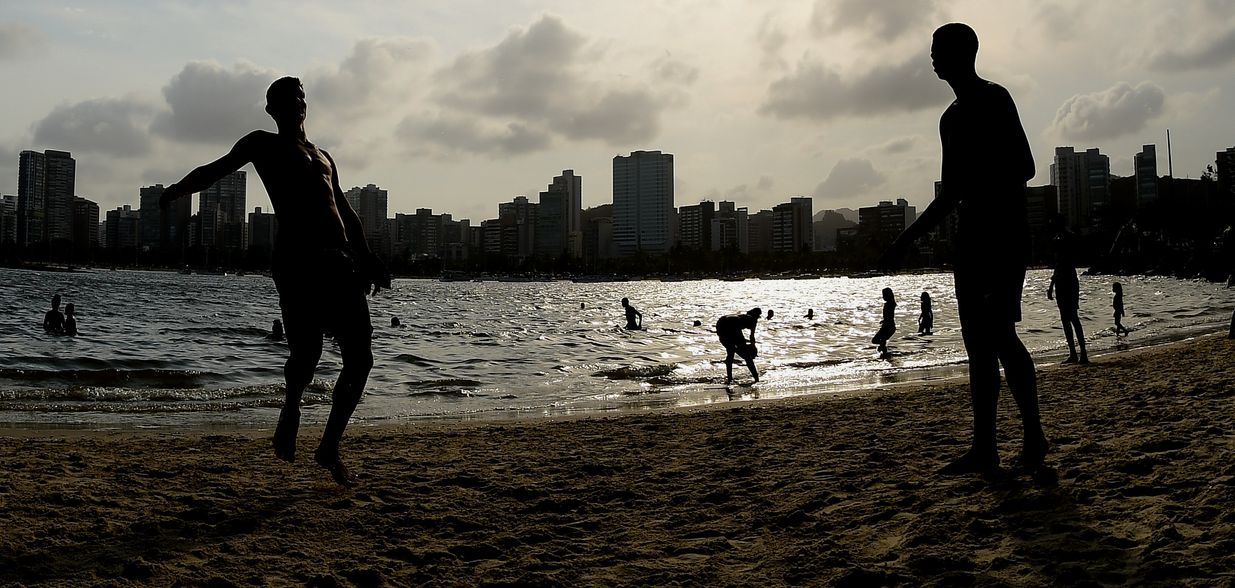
(820,491)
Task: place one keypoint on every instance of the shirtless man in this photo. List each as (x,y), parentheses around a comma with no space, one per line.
(631,315)
(729,330)
(986,163)
(53,321)
(322,266)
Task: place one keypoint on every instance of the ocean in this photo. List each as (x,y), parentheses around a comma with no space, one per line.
(165,350)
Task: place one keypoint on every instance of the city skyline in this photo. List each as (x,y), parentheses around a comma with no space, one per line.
(829,99)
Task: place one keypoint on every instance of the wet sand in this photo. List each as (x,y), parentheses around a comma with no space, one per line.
(818,491)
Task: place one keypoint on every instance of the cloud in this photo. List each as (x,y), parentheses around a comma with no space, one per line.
(816,91)
(17,39)
(896,145)
(765,182)
(1211,53)
(1060,24)
(771,38)
(112,126)
(543,83)
(377,73)
(883,20)
(212,104)
(1113,112)
(849,177)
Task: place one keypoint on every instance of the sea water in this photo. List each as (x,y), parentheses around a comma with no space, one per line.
(161,349)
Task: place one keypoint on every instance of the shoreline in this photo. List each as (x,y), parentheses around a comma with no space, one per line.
(821,490)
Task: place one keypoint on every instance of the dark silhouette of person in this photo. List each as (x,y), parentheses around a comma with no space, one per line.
(729,330)
(70,319)
(394,322)
(888,325)
(771,313)
(926,319)
(322,266)
(631,315)
(986,163)
(698,323)
(1065,289)
(1118,305)
(276,331)
(810,314)
(53,321)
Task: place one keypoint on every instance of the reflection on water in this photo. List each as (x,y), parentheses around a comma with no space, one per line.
(166,349)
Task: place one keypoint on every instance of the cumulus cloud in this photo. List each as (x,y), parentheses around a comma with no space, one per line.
(377,73)
(1214,52)
(883,19)
(543,83)
(212,104)
(771,38)
(849,177)
(17,39)
(819,92)
(1113,112)
(112,126)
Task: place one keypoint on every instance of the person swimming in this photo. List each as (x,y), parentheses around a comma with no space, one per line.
(631,314)
(53,321)
(70,320)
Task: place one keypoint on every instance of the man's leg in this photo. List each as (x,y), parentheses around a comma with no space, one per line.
(750,363)
(1067,333)
(304,343)
(1080,335)
(1022,381)
(354,335)
(728,364)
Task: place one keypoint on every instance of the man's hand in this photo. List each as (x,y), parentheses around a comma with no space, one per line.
(375,274)
(170,194)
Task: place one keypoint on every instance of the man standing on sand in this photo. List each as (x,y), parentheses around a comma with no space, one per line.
(986,163)
(322,266)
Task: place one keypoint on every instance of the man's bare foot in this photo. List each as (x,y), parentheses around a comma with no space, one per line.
(1033,455)
(330,460)
(284,440)
(972,462)
(1084,359)
(1071,359)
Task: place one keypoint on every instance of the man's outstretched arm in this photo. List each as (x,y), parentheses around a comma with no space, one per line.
(205,176)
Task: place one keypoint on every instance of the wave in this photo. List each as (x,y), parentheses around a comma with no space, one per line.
(239,331)
(632,372)
(443,383)
(110,377)
(413,359)
(132,400)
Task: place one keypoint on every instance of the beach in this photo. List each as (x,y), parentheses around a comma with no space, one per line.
(833,489)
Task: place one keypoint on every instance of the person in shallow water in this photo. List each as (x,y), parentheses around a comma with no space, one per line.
(1065,289)
(276,331)
(70,319)
(986,163)
(729,330)
(631,315)
(926,320)
(53,321)
(322,266)
(888,325)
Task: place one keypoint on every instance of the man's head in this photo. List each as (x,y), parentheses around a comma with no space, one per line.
(68,308)
(55,301)
(285,101)
(887,294)
(755,312)
(953,50)
(625,302)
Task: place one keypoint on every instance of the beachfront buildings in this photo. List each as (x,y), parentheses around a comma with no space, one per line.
(45,189)
(642,202)
(1145,171)
(1226,171)
(730,228)
(792,231)
(221,217)
(1083,182)
(370,204)
(695,226)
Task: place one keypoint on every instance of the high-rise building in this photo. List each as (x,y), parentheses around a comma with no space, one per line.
(695,226)
(1146,170)
(598,234)
(150,230)
(85,227)
(792,231)
(553,224)
(881,224)
(8,220)
(642,202)
(1083,183)
(571,186)
(1226,172)
(60,188)
(826,224)
(221,212)
(263,227)
(370,203)
(31,191)
(122,228)
(730,228)
(759,235)
(417,234)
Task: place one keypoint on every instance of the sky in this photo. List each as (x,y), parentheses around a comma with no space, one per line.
(457,105)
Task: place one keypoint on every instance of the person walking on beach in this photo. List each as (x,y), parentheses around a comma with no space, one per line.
(888,325)
(729,330)
(322,266)
(1118,305)
(53,321)
(631,315)
(70,320)
(926,320)
(1065,289)
(986,163)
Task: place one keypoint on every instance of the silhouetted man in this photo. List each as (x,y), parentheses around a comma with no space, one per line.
(53,321)
(729,330)
(986,162)
(1065,289)
(322,266)
(631,316)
